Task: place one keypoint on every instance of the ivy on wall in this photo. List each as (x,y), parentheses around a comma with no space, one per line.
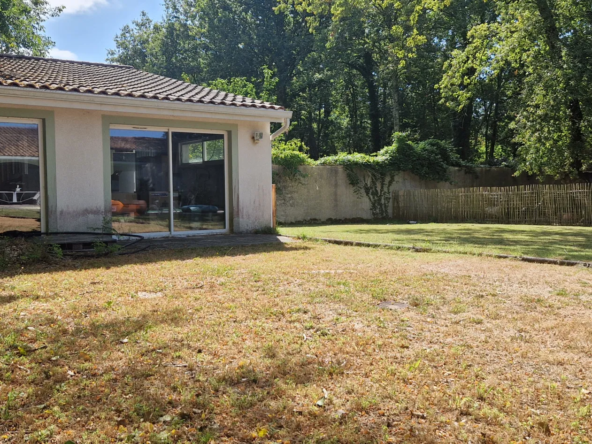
(373,175)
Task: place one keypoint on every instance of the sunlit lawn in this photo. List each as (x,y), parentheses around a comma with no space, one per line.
(573,243)
(286,343)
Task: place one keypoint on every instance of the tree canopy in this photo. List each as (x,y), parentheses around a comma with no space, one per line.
(502,81)
(21,26)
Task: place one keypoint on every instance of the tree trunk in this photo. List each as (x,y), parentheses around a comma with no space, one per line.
(312,140)
(325,141)
(551,31)
(282,90)
(487,119)
(373,102)
(396,105)
(462,122)
(366,69)
(495,124)
(436,121)
(577,135)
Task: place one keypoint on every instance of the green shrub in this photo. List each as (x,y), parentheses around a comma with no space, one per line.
(373,175)
(290,155)
(103,249)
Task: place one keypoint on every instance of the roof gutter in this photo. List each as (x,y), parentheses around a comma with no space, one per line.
(284,129)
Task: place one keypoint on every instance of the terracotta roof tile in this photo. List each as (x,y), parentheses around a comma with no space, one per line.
(120,80)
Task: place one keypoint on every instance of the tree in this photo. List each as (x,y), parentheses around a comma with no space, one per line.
(243,87)
(504,81)
(21,26)
(545,46)
(170,48)
(374,38)
(241,37)
(204,40)
(133,45)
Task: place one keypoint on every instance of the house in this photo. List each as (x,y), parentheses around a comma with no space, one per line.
(85,145)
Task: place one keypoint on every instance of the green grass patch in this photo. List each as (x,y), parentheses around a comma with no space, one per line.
(573,243)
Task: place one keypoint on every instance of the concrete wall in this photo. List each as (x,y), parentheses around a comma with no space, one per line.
(325,193)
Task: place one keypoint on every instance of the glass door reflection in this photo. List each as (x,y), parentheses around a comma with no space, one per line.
(199,181)
(20,177)
(140,196)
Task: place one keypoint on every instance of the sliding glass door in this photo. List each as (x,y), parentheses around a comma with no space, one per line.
(140,181)
(199,181)
(21,176)
(168,181)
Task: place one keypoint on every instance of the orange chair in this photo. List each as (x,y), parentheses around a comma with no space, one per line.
(134,208)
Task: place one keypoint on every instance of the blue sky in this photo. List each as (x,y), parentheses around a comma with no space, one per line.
(86,28)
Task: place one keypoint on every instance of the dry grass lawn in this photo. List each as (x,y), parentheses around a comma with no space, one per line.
(286,343)
(18,224)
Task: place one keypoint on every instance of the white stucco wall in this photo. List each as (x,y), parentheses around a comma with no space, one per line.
(79,170)
(252,179)
(79,203)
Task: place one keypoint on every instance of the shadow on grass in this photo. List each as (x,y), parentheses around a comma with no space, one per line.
(8,299)
(151,256)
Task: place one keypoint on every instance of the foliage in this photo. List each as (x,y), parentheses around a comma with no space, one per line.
(539,54)
(21,26)
(290,155)
(235,85)
(374,175)
(504,81)
(104,249)
(373,41)
(370,175)
(205,40)
(243,87)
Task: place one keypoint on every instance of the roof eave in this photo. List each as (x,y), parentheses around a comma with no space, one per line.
(62,99)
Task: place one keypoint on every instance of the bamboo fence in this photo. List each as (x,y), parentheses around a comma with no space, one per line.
(569,204)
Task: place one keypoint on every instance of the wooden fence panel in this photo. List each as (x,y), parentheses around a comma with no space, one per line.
(274,206)
(569,204)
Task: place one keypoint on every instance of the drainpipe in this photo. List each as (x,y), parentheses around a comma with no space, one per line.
(285,127)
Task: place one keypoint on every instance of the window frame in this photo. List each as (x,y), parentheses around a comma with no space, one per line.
(204,151)
(182,145)
(170,131)
(42,163)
